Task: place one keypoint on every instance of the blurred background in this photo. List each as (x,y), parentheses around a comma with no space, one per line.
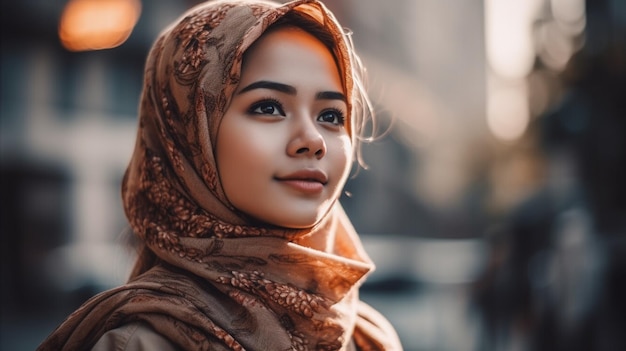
(494,207)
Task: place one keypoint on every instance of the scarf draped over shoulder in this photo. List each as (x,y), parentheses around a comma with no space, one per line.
(223,281)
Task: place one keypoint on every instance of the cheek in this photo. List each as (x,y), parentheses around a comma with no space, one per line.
(237,151)
(343,155)
(241,153)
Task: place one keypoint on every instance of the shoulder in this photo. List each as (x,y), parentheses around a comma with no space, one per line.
(133,336)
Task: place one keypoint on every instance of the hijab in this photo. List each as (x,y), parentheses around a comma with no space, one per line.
(217,277)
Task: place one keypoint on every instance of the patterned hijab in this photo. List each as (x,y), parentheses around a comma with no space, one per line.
(218,279)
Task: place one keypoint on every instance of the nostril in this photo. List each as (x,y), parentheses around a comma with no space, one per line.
(302,150)
(318,152)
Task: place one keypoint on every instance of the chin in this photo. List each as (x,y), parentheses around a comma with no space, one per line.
(296,221)
(299,224)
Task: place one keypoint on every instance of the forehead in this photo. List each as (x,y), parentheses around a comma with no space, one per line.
(289,53)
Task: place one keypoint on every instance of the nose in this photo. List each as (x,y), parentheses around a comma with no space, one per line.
(307,141)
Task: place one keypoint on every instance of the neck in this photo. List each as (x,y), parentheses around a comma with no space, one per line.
(322,239)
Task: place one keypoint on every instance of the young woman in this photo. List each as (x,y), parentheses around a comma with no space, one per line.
(249,123)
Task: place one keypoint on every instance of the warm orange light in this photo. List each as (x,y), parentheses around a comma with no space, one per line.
(97,24)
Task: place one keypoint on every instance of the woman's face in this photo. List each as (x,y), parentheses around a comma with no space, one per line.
(283,151)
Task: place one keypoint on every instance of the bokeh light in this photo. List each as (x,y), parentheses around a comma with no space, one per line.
(507,112)
(508,32)
(97,24)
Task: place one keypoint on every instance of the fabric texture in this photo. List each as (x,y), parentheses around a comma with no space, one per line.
(135,336)
(222,281)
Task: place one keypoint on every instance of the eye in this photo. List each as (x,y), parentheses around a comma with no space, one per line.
(267,107)
(332,116)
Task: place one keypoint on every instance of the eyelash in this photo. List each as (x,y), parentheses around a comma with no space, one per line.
(341,119)
(340,115)
(266,101)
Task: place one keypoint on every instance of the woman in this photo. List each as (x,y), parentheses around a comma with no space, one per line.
(249,120)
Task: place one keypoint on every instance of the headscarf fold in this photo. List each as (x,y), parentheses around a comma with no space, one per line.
(221,277)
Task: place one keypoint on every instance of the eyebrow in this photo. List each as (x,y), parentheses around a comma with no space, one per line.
(265,84)
(288,89)
(330,95)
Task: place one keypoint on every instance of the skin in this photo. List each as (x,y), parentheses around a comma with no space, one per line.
(283,151)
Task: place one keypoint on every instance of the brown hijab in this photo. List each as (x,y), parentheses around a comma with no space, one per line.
(211,278)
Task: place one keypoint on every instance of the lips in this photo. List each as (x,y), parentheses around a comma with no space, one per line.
(308,181)
(307,175)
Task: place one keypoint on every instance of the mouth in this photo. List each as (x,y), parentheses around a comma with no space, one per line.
(305,175)
(310,181)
